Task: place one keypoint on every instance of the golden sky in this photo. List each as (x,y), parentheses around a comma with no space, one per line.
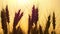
(45,7)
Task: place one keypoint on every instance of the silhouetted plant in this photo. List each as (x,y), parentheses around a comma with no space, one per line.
(34,15)
(54,20)
(47,26)
(7,13)
(17,18)
(40,29)
(34,19)
(3,21)
(53,32)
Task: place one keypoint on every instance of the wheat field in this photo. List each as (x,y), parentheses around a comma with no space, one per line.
(45,8)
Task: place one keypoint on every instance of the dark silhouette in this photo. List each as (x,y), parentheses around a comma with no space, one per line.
(3,21)
(7,14)
(32,20)
(54,20)
(17,18)
(35,19)
(47,26)
(40,29)
(29,24)
(34,15)
(53,32)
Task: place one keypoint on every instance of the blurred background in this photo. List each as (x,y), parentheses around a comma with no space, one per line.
(45,7)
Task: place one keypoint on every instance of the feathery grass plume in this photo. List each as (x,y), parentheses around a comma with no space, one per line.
(34,19)
(34,15)
(19,31)
(30,20)
(54,20)
(3,21)
(17,18)
(40,29)
(7,13)
(47,26)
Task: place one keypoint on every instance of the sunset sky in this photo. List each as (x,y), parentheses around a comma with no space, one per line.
(45,8)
